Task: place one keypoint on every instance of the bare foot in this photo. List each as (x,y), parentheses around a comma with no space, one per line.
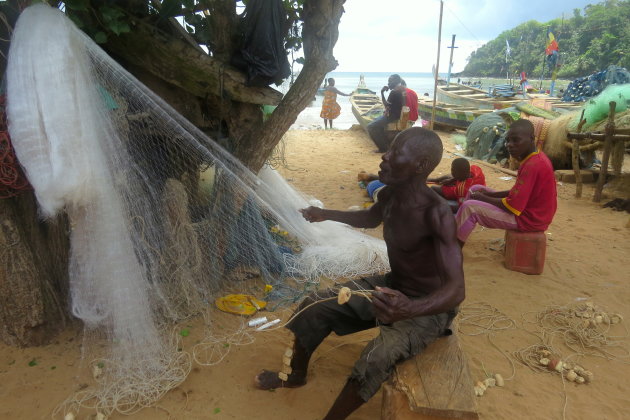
(269,380)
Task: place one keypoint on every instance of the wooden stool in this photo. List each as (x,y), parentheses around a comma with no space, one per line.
(525,251)
(436,384)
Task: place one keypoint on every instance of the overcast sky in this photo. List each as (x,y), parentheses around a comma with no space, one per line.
(401,35)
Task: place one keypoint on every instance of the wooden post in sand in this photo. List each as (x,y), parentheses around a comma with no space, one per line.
(608,142)
(437,67)
(575,158)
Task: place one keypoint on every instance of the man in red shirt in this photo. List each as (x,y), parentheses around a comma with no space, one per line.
(411,100)
(531,203)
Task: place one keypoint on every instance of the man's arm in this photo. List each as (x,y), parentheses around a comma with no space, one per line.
(383,90)
(338,92)
(495,194)
(494,198)
(369,218)
(392,305)
(439,179)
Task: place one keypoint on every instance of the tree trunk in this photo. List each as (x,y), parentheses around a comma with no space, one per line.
(211,94)
(320,33)
(33,273)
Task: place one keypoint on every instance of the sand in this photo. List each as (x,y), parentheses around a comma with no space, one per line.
(588,257)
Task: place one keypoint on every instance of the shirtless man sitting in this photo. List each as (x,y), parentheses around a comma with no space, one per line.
(413,304)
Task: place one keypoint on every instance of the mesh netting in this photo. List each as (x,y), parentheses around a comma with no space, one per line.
(163,220)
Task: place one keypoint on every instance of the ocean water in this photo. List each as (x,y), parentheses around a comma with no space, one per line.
(346,82)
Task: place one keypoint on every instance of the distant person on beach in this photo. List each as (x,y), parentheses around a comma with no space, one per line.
(393,106)
(453,187)
(531,203)
(412,305)
(330,107)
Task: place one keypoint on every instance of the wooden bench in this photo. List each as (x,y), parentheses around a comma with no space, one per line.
(436,384)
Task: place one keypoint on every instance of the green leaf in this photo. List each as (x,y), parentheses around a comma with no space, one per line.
(78,5)
(100,37)
(53,367)
(101,365)
(184,332)
(171,8)
(32,363)
(124,28)
(217,410)
(77,21)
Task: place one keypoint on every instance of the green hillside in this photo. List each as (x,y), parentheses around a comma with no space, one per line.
(590,40)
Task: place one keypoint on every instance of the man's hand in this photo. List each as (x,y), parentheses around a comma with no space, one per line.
(313,214)
(390,305)
(448,181)
(479,196)
(384,89)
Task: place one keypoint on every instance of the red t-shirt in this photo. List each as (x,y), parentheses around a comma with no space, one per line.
(460,189)
(533,198)
(412,103)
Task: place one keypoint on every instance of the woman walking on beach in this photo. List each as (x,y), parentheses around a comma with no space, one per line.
(330,107)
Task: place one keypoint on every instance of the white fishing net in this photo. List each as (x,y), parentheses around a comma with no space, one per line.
(163,220)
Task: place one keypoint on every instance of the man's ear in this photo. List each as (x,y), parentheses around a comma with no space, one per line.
(421,166)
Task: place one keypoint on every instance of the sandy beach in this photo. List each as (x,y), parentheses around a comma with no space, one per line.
(588,259)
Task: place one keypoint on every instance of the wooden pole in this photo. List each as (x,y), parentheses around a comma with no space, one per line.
(437,67)
(575,158)
(603,171)
(450,62)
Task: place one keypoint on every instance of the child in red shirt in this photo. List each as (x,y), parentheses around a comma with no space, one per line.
(454,187)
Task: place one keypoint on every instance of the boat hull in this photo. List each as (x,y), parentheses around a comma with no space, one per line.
(467,96)
(366,107)
(449,116)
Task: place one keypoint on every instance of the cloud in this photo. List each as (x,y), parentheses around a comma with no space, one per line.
(401,35)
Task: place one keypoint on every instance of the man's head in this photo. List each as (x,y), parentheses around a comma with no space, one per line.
(414,153)
(331,81)
(519,140)
(460,169)
(393,81)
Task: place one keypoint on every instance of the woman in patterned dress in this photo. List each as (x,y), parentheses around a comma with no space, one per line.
(330,107)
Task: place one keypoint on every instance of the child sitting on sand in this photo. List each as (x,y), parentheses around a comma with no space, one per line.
(453,187)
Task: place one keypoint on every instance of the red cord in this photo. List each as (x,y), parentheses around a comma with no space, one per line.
(12,179)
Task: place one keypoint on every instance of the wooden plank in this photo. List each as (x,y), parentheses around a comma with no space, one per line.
(437,383)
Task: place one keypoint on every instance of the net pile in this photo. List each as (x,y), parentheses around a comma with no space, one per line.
(163,219)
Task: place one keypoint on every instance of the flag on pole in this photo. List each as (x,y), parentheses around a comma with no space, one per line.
(552,44)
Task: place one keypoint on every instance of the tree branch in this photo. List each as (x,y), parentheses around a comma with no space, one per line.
(321,30)
(180,64)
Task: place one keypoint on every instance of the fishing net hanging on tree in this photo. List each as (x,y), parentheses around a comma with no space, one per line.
(163,220)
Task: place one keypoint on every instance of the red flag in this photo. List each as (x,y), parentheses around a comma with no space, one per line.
(552,44)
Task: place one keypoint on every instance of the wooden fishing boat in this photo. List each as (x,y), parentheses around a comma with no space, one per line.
(448,116)
(467,96)
(366,106)
(471,97)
